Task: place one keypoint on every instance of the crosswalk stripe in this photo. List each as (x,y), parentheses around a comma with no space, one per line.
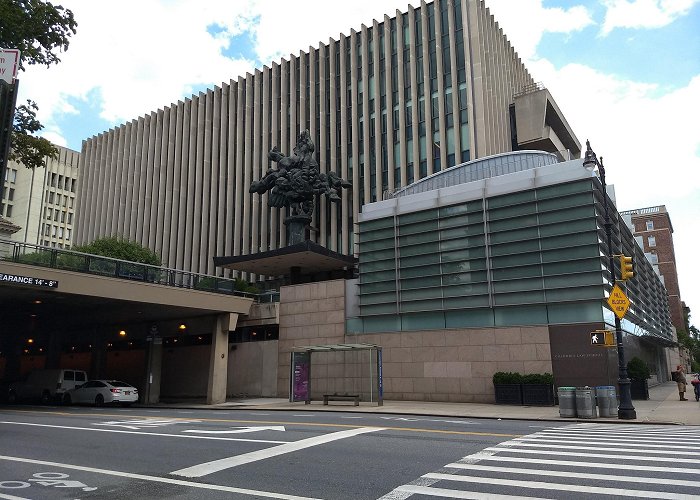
(607,442)
(581,475)
(489,457)
(615,462)
(597,455)
(567,447)
(652,439)
(541,485)
(447,493)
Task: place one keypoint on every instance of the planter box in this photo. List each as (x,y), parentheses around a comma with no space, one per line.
(639,389)
(538,394)
(508,394)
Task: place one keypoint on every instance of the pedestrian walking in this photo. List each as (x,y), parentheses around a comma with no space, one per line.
(696,386)
(681,381)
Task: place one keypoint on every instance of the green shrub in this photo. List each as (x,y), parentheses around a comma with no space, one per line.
(538,378)
(637,369)
(122,249)
(507,378)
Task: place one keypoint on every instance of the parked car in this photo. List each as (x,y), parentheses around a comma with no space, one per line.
(46,385)
(100,392)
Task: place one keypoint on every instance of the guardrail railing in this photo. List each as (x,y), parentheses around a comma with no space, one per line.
(69,260)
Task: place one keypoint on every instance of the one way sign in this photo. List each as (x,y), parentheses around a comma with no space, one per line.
(602,338)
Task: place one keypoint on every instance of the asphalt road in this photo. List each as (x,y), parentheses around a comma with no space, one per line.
(70,453)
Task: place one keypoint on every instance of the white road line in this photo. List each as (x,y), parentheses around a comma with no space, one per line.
(539,485)
(140,433)
(599,448)
(488,457)
(403,495)
(693,461)
(580,475)
(609,442)
(178,482)
(11,497)
(607,436)
(226,463)
(445,493)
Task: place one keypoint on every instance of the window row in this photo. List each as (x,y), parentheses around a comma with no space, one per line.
(58,215)
(61,182)
(59,199)
(56,231)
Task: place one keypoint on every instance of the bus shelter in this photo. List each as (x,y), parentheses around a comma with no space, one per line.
(354,377)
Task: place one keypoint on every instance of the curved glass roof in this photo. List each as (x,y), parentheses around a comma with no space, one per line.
(481,168)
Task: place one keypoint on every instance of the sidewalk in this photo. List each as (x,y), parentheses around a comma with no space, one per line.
(663,407)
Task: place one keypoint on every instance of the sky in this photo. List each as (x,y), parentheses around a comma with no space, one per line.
(625,73)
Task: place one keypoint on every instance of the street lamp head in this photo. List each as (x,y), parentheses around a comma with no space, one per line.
(590,160)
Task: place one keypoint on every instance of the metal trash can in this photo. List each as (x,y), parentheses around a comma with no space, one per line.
(607,400)
(585,402)
(567,401)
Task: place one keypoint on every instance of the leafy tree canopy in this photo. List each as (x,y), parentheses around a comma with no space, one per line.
(119,248)
(36,28)
(26,148)
(40,30)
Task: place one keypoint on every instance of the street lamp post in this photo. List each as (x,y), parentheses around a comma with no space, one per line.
(626,410)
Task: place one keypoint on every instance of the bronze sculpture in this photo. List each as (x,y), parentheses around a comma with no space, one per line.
(296,182)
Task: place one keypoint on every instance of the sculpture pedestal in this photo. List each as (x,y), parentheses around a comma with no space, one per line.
(297,228)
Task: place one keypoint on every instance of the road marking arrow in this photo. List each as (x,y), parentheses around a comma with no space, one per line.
(238,430)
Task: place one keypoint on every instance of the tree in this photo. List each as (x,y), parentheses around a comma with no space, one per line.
(39,30)
(119,248)
(690,339)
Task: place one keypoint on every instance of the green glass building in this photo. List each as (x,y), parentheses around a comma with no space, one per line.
(510,241)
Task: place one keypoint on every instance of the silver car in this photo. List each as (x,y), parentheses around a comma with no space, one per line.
(100,392)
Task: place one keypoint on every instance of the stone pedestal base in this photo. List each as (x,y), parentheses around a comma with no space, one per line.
(297,228)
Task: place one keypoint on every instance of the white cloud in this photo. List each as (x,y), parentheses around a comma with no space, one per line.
(138,58)
(643,13)
(289,27)
(525,22)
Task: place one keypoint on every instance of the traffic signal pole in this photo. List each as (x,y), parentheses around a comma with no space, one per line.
(625,410)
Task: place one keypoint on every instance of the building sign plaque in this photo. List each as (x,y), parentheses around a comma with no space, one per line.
(27,280)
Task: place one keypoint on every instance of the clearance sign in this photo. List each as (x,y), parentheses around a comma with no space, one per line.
(27,280)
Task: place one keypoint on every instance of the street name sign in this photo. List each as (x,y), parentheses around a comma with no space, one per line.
(9,64)
(618,301)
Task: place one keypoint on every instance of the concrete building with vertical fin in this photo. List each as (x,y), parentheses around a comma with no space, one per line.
(41,201)
(386,105)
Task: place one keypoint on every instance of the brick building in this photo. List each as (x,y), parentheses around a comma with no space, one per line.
(653,226)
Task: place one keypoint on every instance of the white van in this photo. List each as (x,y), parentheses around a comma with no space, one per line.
(46,385)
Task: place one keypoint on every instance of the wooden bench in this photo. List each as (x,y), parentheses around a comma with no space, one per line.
(341,397)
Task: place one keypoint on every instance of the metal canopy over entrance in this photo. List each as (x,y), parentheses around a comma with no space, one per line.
(300,370)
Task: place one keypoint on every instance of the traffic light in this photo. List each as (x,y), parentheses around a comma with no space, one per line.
(626,270)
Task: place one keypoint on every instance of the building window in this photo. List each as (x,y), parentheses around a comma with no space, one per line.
(654,258)
(8,211)
(11,175)
(650,225)
(652,241)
